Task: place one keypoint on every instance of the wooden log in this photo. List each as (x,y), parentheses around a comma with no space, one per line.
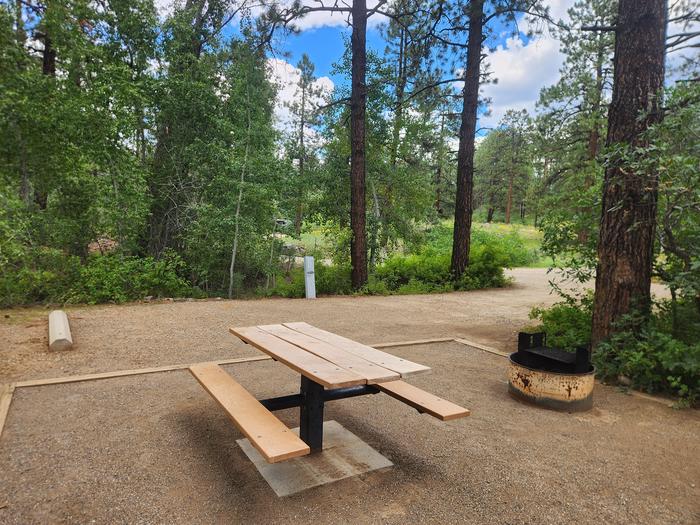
(59,331)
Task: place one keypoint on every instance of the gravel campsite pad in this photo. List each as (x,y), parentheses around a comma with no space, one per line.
(157,449)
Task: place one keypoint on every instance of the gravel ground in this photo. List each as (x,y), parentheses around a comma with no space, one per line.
(141,335)
(157,448)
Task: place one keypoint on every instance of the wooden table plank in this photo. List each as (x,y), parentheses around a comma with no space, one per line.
(401,366)
(374,373)
(312,366)
(265,432)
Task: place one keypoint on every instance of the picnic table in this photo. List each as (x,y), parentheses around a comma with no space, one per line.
(331,367)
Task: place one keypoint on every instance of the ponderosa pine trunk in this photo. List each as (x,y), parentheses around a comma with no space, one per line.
(299,215)
(467,132)
(594,134)
(628,222)
(358,102)
(509,198)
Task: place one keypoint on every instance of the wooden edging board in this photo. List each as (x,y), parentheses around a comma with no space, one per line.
(413,343)
(7,390)
(138,371)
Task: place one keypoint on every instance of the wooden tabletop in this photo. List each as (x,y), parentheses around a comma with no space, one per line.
(326,358)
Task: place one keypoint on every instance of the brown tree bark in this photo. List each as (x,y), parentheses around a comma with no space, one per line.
(48,62)
(358,102)
(299,215)
(628,222)
(465,155)
(509,199)
(594,134)
(438,172)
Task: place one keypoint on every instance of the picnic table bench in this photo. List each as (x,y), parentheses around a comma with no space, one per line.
(331,367)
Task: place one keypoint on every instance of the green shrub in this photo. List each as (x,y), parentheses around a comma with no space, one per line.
(650,357)
(485,268)
(428,268)
(38,275)
(118,279)
(567,324)
(653,361)
(427,272)
(330,280)
(510,245)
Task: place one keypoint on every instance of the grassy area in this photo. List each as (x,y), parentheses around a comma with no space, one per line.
(530,236)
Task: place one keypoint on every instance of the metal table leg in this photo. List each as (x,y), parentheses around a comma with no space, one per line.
(311,414)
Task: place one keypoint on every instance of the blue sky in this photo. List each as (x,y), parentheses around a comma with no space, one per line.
(522,66)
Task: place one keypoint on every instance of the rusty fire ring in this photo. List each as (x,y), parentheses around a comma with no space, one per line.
(567,391)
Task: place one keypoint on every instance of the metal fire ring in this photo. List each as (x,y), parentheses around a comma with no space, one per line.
(571,392)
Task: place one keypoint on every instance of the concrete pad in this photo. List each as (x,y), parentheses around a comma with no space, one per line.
(344,455)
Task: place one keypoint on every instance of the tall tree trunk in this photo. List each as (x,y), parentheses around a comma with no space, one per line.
(509,199)
(358,102)
(594,134)
(400,91)
(438,190)
(25,188)
(374,227)
(234,249)
(48,68)
(467,131)
(48,62)
(627,226)
(299,216)
(438,174)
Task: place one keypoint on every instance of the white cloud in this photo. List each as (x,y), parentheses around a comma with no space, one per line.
(286,77)
(522,69)
(330,19)
(165,7)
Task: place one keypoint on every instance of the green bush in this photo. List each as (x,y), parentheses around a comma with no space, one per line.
(485,270)
(330,280)
(47,275)
(653,361)
(38,275)
(428,272)
(650,357)
(567,324)
(510,245)
(429,268)
(123,278)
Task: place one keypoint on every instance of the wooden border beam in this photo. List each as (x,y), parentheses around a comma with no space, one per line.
(413,343)
(479,346)
(138,371)
(6,392)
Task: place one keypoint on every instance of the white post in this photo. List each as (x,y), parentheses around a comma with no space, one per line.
(309,277)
